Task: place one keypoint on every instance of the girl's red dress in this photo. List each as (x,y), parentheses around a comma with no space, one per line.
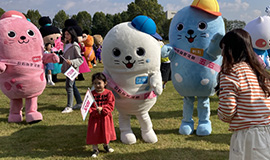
(100,126)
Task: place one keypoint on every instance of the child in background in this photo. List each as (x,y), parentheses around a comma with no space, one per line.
(98,40)
(49,66)
(244,98)
(100,125)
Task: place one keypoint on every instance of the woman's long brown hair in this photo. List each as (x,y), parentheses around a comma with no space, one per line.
(237,47)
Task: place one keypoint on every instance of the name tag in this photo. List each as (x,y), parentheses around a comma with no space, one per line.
(141,80)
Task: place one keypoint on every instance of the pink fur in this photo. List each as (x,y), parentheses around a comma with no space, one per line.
(22,44)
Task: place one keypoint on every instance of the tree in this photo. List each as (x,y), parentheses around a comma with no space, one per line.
(2,11)
(84,20)
(60,18)
(233,24)
(109,19)
(117,19)
(100,25)
(34,16)
(124,16)
(149,8)
(165,28)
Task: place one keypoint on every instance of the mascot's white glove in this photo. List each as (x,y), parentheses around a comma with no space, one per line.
(3,67)
(156,83)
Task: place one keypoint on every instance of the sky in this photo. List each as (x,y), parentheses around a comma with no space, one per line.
(244,10)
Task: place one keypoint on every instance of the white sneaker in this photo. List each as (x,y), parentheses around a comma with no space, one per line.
(67,110)
(51,83)
(77,106)
(94,65)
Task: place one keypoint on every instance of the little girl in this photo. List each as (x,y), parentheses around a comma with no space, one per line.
(100,124)
(49,66)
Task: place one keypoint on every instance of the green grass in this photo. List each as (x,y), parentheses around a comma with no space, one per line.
(63,136)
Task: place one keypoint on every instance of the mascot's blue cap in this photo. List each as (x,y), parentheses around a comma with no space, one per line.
(146,25)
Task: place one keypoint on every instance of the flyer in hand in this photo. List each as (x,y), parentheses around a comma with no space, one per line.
(87,103)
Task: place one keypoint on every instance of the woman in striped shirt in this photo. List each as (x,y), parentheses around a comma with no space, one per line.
(244,100)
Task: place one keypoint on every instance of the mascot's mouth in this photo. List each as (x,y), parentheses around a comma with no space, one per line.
(36,58)
(190,39)
(129,64)
(21,42)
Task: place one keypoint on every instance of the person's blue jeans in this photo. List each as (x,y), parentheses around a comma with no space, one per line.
(72,91)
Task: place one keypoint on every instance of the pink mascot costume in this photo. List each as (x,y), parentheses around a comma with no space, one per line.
(21,65)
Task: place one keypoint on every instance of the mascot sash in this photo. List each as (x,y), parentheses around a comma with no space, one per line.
(197,59)
(116,88)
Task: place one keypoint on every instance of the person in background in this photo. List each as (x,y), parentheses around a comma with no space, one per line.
(72,55)
(98,40)
(49,66)
(244,100)
(165,68)
(100,125)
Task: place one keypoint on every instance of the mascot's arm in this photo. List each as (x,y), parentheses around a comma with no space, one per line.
(214,50)
(167,51)
(50,58)
(156,83)
(3,67)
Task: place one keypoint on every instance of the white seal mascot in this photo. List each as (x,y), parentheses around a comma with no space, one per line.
(131,55)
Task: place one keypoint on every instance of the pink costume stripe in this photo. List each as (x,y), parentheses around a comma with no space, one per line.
(197,59)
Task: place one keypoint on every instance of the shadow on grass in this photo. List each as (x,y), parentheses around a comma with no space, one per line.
(213,138)
(4,110)
(171,154)
(45,141)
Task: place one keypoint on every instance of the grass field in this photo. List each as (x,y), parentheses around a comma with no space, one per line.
(62,136)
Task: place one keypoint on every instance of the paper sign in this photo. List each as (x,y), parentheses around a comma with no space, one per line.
(71,73)
(87,103)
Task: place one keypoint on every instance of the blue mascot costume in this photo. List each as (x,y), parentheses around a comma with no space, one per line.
(194,35)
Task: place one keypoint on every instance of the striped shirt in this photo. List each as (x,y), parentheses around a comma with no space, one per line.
(242,102)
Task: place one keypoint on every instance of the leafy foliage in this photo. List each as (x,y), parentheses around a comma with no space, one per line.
(34,16)
(84,20)
(60,18)
(233,24)
(2,11)
(100,24)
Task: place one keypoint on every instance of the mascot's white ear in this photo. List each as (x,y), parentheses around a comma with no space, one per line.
(260,20)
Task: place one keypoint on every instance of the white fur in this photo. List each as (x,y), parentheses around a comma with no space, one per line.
(128,40)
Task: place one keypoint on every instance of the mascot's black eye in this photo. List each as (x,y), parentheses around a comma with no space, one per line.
(51,38)
(11,34)
(140,51)
(202,26)
(116,52)
(30,33)
(180,27)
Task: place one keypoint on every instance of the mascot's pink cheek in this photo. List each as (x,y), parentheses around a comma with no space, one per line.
(261,43)
(42,77)
(7,86)
(19,86)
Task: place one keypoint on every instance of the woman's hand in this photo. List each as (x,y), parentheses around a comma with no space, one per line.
(68,62)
